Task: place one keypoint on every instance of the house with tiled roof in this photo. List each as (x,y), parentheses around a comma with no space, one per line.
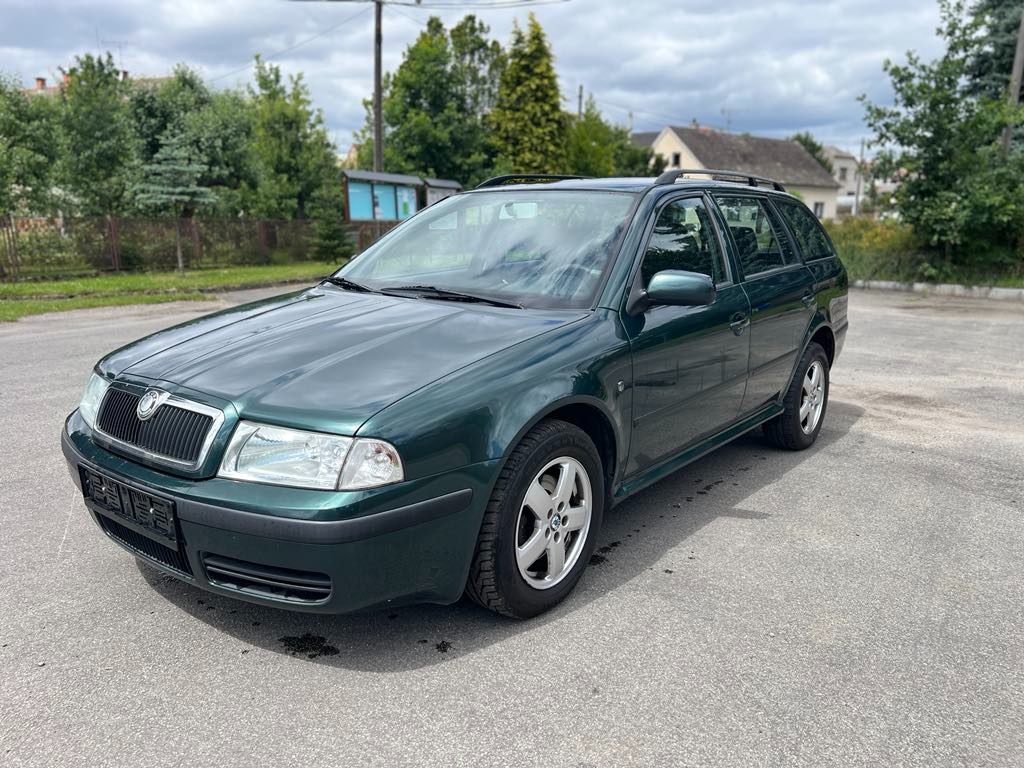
(779,159)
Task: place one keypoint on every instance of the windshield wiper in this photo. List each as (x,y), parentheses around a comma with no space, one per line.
(443,294)
(344,282)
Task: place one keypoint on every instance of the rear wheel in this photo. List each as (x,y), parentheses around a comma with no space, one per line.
(541,522)
(804,403)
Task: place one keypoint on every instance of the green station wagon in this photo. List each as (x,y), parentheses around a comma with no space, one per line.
(453,411)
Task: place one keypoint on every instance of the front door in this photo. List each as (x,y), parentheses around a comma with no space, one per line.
(689,363)
(779,288)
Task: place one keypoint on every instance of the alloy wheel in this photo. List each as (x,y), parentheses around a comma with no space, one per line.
(553,522)
(812,398)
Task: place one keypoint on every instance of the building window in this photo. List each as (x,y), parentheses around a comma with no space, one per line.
(842,174)
(819,209)
(677,160)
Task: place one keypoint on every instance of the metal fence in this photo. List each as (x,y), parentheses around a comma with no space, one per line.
(35,248)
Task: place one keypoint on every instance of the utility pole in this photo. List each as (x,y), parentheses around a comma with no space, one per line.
(579,103)
(378,127)
(1015,77)
(860,180)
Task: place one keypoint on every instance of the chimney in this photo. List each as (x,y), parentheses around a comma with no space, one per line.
(40,83)
(66,77)
(124,75)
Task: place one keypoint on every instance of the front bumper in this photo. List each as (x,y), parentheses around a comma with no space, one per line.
(408,543)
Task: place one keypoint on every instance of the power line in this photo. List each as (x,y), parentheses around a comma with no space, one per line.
(317,36)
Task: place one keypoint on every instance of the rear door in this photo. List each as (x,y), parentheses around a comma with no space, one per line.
(779,288)
(689,363)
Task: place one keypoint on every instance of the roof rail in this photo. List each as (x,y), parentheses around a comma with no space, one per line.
(525,178)
(670,177)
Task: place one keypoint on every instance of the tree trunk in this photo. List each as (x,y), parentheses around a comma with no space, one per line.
(177,245)
(5,235)
(197,245)
(115,249)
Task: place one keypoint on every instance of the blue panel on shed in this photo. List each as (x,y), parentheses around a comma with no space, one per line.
(406,202)
(360,201)
(384,199)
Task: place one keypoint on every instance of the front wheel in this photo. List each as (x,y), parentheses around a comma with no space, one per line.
(541,522)
(804,403)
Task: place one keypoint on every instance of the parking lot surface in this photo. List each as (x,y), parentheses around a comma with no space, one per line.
(860,603)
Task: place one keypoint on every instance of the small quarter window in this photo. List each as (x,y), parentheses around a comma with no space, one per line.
(811,238)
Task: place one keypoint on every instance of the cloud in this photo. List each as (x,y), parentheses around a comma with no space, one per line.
(770,68)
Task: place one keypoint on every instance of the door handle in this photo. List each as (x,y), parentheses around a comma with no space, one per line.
(808,299)
(738,323)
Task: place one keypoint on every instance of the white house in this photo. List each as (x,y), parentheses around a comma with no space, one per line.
(779,159)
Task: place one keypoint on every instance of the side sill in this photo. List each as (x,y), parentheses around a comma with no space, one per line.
(640,480)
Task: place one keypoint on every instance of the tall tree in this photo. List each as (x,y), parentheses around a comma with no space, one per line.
(221,135)
(29,149)
(163,107)
(434,104)
(595,147)
(99,158)
(527,125)
(216,126)
(478,63)
(171,183)
(994,42)
(959,192)
(292,153)
(813,147)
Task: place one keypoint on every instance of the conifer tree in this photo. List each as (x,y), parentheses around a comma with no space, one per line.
(528,127)
(170,182)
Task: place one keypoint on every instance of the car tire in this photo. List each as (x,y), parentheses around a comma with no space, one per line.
(804,404)
(551,487)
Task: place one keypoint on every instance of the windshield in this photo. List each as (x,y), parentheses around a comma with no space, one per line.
(533,248)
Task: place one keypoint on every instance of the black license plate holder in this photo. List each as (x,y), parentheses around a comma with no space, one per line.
(149,514)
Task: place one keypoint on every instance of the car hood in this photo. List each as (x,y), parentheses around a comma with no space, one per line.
(325,358)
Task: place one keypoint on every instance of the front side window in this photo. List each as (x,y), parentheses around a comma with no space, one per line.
(547,248)
(760,244)
(813,241)
(684,239)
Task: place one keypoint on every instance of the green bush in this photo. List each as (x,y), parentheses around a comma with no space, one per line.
(878,250)
(888,249)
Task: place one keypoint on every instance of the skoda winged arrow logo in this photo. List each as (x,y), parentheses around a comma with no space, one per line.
(149,402)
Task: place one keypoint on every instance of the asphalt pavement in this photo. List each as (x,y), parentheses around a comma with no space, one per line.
(860,603)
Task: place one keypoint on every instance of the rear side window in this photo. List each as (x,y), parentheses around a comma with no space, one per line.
(683,238)
(813,241)
(761,244)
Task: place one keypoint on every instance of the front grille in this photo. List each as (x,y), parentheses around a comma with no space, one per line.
(144,546)
(172,432)
(267,580)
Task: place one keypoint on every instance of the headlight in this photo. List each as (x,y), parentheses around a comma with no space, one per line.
(95,389)
(263,453)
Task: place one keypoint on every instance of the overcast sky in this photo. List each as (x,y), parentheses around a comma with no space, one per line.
(770,68)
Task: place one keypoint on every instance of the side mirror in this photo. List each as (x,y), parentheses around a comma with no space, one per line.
(673,287)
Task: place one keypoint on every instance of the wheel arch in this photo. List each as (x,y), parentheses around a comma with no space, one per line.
(823,335)
(592,416)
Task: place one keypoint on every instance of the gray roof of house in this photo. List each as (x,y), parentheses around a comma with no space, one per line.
(780,159)
(384,178)
(644,139)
